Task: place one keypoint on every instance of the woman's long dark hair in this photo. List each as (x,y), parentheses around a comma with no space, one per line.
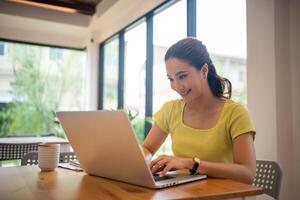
(194,52)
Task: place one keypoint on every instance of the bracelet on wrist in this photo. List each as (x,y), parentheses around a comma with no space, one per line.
(194,169)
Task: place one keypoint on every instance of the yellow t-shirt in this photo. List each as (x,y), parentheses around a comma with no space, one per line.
(214,144)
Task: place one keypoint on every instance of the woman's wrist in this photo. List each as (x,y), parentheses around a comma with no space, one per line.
(189,163)
(201,167)
(147,154)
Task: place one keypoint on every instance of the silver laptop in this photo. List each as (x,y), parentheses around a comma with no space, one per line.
(105,144)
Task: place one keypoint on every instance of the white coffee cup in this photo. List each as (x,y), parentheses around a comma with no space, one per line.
(48,156)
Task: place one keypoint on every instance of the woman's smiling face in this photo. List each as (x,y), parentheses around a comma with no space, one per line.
(185,79)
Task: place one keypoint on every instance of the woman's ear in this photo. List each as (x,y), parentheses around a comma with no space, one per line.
(204,71)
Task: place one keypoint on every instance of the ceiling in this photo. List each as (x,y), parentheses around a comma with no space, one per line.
(87,7)
(72,12)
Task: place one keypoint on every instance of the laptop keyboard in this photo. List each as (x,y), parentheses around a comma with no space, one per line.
(160,178)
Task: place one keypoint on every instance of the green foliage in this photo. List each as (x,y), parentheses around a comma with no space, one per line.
(40,87)
(5,120)
(132,116)
(138,125)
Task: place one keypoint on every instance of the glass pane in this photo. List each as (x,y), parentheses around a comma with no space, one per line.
(35,87)
(169,26)
(1,48)
(221,25)
(6,76)
(111,68)
(55,54)
(134,88)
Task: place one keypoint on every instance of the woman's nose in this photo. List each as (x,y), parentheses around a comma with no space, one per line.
(177,86)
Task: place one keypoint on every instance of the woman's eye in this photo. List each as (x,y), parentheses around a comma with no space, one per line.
(170,79)
(183,76)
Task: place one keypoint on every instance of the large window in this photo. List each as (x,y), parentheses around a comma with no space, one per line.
(135,72)
(221,25)
(222,29)
(34,87)
(111,68)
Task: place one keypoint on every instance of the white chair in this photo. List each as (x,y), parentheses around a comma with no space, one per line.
(268,176)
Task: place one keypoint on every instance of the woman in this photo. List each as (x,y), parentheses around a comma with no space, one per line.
(211,134)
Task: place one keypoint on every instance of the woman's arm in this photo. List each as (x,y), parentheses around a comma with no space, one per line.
(153,141)
(243,168)
(244,159)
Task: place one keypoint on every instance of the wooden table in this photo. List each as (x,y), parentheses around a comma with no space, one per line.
(28,182)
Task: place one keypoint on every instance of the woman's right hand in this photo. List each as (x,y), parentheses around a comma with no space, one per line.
(165,163)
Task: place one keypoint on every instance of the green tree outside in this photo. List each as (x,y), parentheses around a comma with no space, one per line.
(41,87)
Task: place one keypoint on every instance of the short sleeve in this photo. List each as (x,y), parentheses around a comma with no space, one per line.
(162,117)
(240,122)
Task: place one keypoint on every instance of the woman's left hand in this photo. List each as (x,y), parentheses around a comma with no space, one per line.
(165,163)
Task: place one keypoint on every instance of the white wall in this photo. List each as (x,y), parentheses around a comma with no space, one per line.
(273,54)
(92,75)
(261,75)
(41,31)
(295,76)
